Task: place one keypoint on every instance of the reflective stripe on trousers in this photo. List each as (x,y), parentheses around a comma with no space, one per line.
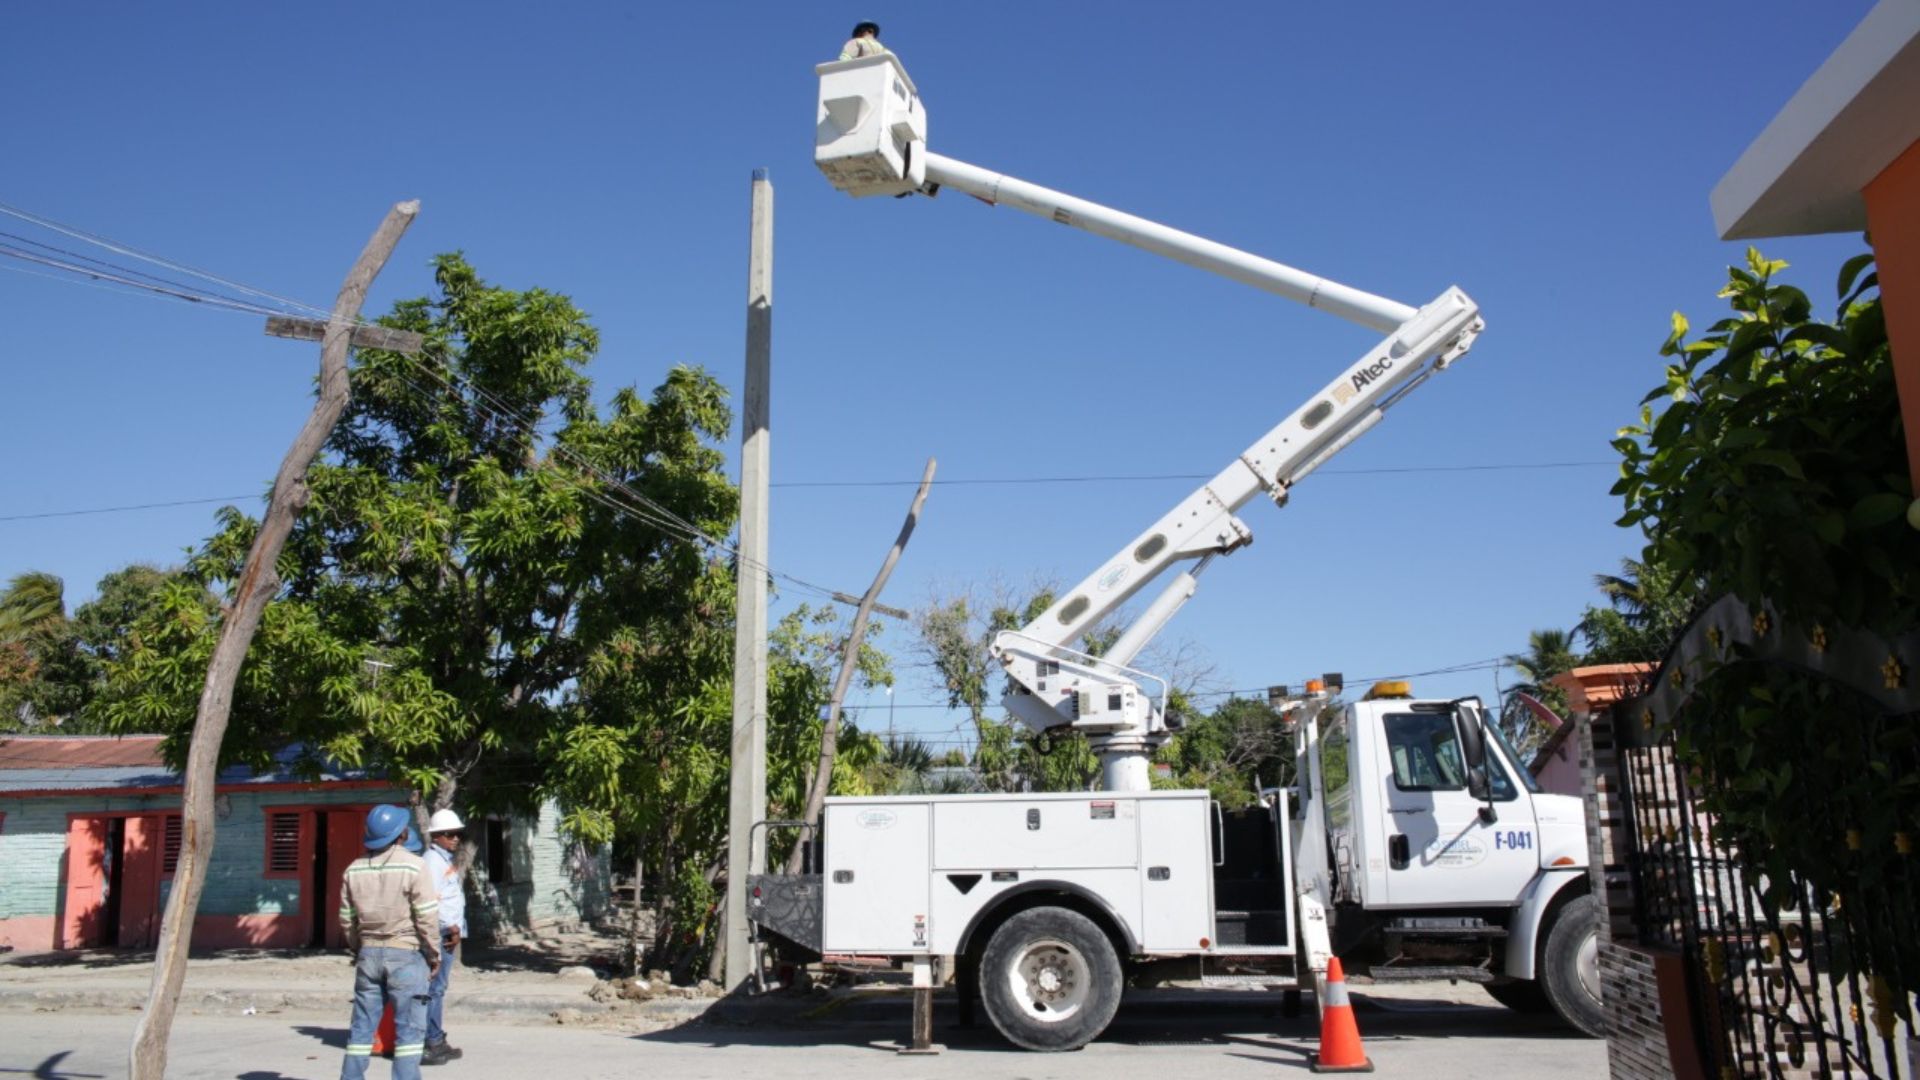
(381,976)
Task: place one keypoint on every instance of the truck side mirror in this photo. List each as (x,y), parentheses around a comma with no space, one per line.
(1473,748)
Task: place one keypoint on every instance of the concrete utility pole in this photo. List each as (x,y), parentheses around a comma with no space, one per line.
(147,1058)
(746,850)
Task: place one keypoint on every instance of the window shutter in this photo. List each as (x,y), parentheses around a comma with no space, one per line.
(283,842)
(170,844)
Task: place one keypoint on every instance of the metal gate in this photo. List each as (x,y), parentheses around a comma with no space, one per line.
(1775,982)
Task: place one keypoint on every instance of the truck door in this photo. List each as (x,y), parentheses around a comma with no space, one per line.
(1439,850)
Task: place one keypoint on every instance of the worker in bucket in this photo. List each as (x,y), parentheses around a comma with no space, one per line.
(392,921)
(865,42)
(444,831)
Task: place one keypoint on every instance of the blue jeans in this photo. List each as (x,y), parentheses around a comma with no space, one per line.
(436,1007)
(385,975)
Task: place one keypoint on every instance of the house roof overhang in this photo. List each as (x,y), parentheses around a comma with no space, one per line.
(1851,119)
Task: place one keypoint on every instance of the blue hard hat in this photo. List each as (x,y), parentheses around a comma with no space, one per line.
(413,843)
(385,824)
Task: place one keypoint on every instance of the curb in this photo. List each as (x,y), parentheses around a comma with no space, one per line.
(541,1007)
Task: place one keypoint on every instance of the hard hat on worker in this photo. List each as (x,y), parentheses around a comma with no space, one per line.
(444,821)
(385,824)
(865,28)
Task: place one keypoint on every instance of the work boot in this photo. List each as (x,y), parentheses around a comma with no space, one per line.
(439,1053)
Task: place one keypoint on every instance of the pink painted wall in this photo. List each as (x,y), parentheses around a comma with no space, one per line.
(35,933)
(29,933)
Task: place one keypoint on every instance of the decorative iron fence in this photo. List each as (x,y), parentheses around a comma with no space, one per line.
(1777,981)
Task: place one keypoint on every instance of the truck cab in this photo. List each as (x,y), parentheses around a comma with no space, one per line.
(1412,828)
(1443,858)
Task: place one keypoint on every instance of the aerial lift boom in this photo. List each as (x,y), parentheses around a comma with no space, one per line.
(871,140)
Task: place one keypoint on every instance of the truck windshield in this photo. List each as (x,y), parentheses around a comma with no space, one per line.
(1519,763)
(1425,750)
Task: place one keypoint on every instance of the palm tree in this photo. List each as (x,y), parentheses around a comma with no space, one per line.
(1648,607)
(906,762)
(32,601)
(1549,653)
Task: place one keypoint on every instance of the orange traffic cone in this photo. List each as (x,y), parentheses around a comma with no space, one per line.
(1340,1049)
(384,1037)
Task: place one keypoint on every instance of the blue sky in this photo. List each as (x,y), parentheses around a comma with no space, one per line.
(1552,160)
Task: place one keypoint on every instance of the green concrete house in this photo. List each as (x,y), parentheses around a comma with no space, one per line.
(90,833)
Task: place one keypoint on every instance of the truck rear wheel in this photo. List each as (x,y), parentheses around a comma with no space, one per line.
(1570,971)
(1049,979)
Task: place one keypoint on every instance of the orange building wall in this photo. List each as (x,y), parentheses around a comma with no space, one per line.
(1893,221)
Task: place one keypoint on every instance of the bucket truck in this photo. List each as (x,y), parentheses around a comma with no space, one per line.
(1412,843)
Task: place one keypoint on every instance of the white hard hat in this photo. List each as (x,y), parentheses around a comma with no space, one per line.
(445,821)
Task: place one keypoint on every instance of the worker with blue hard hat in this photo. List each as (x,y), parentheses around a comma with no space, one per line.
(864,42)
(391,913)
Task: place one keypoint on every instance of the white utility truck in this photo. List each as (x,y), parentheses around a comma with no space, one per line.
(1410,845)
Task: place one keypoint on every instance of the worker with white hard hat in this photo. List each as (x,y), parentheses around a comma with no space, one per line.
(864,42)
(444,833)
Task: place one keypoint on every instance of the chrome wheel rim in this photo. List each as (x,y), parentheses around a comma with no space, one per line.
(1050,979)
(1586,963)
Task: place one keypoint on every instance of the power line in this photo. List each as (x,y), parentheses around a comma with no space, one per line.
(187,294)
(983,481)
(122,509)
(157,260)
(1139,477)
(624,498)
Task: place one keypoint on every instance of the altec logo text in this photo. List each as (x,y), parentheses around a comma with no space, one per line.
(1371,372)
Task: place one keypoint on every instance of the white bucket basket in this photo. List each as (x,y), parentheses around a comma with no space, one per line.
(871,135)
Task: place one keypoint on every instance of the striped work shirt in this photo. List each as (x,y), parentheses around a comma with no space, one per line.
(388,901)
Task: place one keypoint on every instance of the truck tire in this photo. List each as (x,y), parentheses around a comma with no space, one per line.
(1521,995)
(1049,979)
(1570,967)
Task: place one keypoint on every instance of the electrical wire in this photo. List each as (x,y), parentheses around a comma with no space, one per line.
(122,509)
(1134,478)
(157,260)
(623,498)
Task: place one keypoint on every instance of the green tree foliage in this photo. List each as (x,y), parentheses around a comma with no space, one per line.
(955,635)
(642,755)
(1647,608)
(1776,471)
(1549,653)
(466,547)
(1242,744)
(53,666)
(1777,467)
(31,602)
(34,638)
(495,595)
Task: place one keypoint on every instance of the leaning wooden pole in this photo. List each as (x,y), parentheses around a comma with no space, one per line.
(850,659)
(246,603)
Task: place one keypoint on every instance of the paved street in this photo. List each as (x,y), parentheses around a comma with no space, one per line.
(1221,1038)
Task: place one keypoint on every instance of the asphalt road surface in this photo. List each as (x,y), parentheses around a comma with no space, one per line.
(1220,1037)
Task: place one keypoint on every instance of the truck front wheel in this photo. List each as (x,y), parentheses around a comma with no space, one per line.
(1571,966)
(1049,979)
